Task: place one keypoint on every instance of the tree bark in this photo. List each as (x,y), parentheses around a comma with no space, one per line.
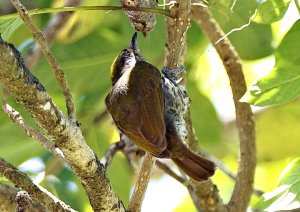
(66,136)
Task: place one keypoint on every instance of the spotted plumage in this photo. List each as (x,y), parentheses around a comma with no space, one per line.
(176,100)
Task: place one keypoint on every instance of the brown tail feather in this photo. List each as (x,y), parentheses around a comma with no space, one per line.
(195,166)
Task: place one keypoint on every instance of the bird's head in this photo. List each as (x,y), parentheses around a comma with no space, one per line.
(126,60)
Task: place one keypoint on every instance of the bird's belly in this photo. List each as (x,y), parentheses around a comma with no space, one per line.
(176,106)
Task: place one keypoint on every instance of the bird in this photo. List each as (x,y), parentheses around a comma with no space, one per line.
(137,105)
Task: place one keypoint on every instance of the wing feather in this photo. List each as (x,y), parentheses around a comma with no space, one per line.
(137,107)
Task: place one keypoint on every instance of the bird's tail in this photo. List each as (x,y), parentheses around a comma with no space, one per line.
(195,166)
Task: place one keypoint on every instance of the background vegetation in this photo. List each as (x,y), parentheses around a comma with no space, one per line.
(269,46)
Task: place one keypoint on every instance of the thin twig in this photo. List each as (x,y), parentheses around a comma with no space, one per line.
(24,182)
(238,28)
(81,8)
(101,116)
(140,188)
(59,74)
(53,28)
(171,173)
(227,171)
(244,116)
(164,167)
(16,117)
(111,151)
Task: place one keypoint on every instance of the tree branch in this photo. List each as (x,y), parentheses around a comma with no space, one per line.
(56,23)
(171,173)
(244,116)
(66,136)
(229,173)
(31,132)
(59,74)
(204,192)
(24,182)
(141,185)
(81,8)
(8,200)
(176,33)
(23,201)
(110,152)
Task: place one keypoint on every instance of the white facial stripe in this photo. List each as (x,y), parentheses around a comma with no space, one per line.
(129,63)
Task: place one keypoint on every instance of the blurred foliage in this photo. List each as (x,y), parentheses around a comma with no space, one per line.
(287,195)
(282,84)
(251,40)
(8,27)
(91,40)
(271,10)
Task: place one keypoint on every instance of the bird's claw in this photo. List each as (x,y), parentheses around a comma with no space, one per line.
(173,73)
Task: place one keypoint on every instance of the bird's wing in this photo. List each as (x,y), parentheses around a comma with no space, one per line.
(137,107)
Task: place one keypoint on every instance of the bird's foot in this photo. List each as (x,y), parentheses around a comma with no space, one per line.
(173,74)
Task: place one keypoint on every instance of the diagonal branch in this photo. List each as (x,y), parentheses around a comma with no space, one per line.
(66,136)
(59,74)
(31,132)
(244,116)
(81,8)
(141,185)
(35,191)
(56,23)
(171,173)
(7,200)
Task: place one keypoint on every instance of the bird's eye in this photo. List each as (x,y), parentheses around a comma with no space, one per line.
(126,53)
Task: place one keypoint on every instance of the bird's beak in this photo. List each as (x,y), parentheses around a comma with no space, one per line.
(133,43)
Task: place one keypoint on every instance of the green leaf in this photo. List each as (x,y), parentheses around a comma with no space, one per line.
(271,11)
(291,175)
(251,40)
(14,140)
(271,133)
(283,82)
(286,195)
(8,26)
(121,167)
(206,122)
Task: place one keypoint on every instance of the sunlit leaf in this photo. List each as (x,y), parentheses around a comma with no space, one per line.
(275,126)
(82,22)
(271,11)
(283,82)
(251,40)
(8,26)
(291,174)
(286,195)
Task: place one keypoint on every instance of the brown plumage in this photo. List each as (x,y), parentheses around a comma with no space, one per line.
(136,104)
